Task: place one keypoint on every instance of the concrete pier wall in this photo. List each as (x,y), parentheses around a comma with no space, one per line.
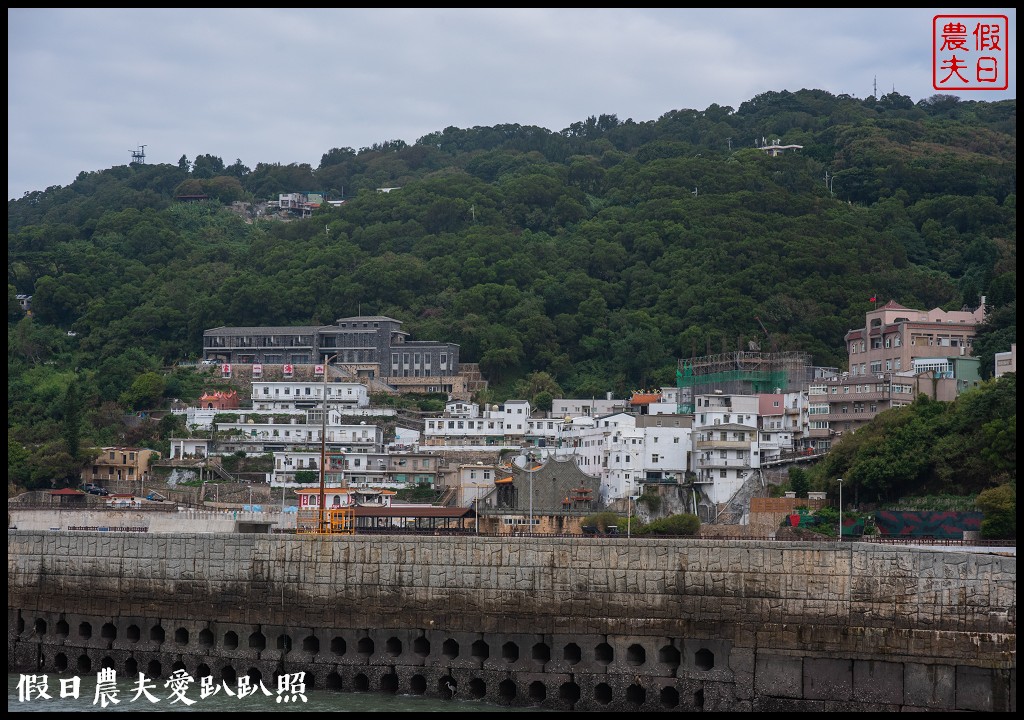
(567,623)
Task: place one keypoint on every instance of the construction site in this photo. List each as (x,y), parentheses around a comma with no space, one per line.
(742,373)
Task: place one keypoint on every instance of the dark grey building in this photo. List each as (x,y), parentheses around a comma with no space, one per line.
(374,345)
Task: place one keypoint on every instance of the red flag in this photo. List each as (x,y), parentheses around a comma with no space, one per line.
(873,299)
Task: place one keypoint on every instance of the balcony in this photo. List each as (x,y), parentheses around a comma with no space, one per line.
(723,463)
(722,444)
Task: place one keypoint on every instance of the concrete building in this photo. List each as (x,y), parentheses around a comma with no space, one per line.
(1006,362)
(365,346)
(356,470)
(571,408)
(306,395)
(900,353)
(464,425)
(551,496)
(469,483)
(894,336)
(725,448)
(120,463)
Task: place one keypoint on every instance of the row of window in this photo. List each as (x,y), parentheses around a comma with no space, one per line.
(417,360)
(258,341)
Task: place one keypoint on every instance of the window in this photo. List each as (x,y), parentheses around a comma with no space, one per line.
(654,458)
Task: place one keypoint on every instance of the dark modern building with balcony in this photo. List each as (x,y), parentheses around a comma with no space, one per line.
(368,346)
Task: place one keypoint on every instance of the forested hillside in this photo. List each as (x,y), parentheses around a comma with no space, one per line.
(578,261)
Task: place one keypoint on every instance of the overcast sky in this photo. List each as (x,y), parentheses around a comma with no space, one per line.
(86,87)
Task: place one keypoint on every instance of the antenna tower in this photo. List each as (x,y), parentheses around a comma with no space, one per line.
(139,156)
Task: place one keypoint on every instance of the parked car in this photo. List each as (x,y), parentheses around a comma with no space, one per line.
(155,497)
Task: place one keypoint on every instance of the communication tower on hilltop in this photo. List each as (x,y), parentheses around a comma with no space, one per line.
(139,156)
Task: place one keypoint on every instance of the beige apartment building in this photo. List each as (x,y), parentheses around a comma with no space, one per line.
(119,464)
(899,354)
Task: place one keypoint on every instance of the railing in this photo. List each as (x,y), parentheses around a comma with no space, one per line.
(164,507)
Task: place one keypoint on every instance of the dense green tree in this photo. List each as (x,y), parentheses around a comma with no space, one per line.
(999,506)
(799,482)
(583,253)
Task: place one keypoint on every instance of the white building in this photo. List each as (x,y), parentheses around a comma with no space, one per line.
(571,408)
(273,435)
(470,482)
(360,470)
(464,426)
(304,395)
(782,419)
(726,448)
(1006,362)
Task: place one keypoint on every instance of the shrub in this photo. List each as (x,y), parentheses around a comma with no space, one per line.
(650,500)
(602,520)
(999,507)
(682,524)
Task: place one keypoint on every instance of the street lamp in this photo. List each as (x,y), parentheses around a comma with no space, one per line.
(840,480)
(529,460)
(630,499)
(323,451)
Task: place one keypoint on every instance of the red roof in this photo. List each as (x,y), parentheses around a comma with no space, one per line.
(67,491)
(644,398)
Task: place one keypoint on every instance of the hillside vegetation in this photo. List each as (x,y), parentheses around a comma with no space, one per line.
(571,262)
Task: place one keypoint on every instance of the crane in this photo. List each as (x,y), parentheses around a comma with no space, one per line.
(767,334)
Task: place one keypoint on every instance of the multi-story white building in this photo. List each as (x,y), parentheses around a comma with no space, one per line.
(726,449)
(464,426)
(781,421)
(304,395)
(361,470)
(641,450)
(274,436)
(469,483)
(572,408)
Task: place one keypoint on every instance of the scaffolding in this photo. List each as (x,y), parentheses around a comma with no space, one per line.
(337,521)
(741,373)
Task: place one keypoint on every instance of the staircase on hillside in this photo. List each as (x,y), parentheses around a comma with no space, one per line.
(739,504)
(448,497)
(349,373)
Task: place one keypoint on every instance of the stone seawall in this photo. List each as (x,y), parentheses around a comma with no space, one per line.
(581,624)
